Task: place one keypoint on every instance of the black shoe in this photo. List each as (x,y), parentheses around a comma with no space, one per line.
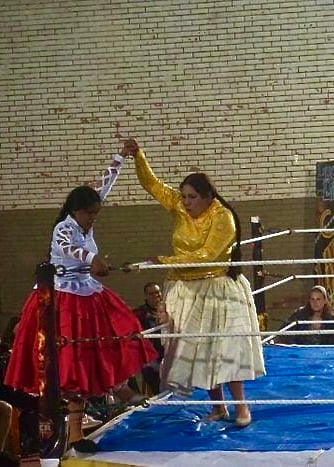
(7,461)
(84,445)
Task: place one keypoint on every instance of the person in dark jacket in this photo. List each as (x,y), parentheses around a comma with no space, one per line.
(147,315)
(316,310)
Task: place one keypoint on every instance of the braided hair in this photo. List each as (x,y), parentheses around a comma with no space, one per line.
(204,187)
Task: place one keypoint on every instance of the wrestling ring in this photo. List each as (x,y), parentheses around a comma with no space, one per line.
(292,406)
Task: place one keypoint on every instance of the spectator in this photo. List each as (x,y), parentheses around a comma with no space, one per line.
(26,405)
(147,315)
(317,309)
(6,409)
(5,425)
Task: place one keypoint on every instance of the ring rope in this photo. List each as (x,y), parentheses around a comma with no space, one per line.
(312,276)
(323,321)
(149,334)
(265,237)
(250,334)
(271,286)
(289,278)
(284,232)
(151,330)
(285,328)
(290,325)
(248,402)
(148,265)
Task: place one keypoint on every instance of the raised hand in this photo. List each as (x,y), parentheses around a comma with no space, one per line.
(130,148)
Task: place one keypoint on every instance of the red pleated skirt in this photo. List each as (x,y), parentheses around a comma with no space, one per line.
(86,368)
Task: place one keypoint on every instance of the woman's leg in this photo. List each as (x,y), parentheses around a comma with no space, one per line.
(242,412)
(126,394)
(218,411)
(76,412)
(75,434)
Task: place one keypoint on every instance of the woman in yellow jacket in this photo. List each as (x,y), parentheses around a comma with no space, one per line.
(205,299)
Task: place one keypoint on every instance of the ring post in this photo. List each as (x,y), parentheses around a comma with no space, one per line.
(258,274)
(52,423)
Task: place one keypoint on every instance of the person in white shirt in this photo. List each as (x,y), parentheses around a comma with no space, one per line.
(85,309)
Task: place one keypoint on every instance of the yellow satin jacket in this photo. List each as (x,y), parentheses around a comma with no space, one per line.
(206,238)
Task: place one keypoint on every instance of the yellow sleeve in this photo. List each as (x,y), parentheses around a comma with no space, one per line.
(163,193)
(222,235)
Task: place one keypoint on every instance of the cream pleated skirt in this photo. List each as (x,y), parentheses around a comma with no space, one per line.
(219,305)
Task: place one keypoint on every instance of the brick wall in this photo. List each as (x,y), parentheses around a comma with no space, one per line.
(242,90)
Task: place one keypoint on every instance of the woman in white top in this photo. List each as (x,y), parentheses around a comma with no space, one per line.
(85,309)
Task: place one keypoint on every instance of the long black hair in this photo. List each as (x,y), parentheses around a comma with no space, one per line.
(82,197)
(202,184)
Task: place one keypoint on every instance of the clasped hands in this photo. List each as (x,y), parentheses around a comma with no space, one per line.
(130,148)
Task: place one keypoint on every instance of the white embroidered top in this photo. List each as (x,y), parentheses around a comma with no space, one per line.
(75,250)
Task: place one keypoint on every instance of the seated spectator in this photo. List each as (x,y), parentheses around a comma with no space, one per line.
(147,311)
(5,424)
(9,332)
(147,315)
(6,411)
(317,309)
(15,403)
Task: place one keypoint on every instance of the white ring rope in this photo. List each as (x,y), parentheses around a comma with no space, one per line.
(265,237)
(323,321)
(312,276)
(149,265)
(294,323)
(151,330)
(191,335)
(271,286)
(283,232)
(312,230)
(249,402)
(289,278)
(285,328)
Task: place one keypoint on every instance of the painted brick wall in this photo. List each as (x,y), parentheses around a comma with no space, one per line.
(242,89)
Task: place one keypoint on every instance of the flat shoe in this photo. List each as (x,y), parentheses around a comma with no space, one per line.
(243,421)
(89,422)
(7,461)
(218,416)
(136,399)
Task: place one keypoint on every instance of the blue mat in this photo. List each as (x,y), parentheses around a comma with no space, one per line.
(292,373)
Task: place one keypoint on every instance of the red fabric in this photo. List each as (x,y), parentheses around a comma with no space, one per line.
(86,368)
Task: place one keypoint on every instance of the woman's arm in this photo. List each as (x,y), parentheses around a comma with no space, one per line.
(163,193)
(110,176)
(63,237)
